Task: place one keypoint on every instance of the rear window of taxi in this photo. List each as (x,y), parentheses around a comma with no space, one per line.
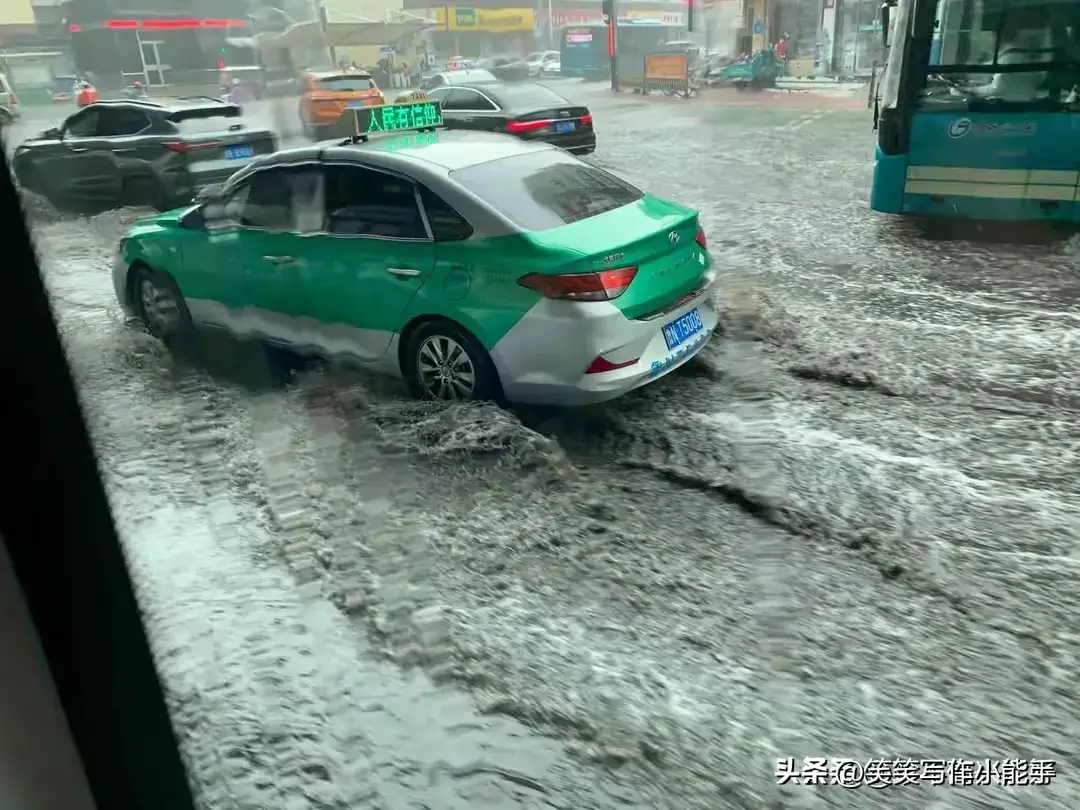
(345,84)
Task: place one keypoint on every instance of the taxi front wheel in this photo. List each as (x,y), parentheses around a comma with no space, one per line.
(443,361)
(161,307)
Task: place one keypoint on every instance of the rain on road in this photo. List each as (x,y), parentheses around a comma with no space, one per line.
(848,529)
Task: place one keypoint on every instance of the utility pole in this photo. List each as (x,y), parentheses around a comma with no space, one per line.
(611,18)
(324,24)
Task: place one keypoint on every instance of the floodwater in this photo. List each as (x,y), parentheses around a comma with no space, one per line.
(849,529)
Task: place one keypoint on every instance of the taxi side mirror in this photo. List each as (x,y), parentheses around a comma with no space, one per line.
(211,192)
(193,220)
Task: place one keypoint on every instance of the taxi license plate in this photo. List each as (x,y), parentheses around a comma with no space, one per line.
(565,126)
(239,152)
(360,104)
(683,328)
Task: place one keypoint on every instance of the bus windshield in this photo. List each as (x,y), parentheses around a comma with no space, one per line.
(1004,52)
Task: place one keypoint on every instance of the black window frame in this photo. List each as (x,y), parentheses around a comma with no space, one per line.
(327,219)
(280,173)
(104,112)
(478,95)
(426,192)
(82,115)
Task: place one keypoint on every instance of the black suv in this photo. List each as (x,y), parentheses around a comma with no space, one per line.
(156,152)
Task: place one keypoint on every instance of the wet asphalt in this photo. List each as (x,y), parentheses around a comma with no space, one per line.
(850,529)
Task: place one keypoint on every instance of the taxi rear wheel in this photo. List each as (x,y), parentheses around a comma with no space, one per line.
(160,306)
(443,361)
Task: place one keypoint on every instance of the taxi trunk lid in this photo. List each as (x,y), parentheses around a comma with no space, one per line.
(655,236)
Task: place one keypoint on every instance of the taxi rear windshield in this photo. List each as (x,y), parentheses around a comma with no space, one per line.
(345,84)
(542,190)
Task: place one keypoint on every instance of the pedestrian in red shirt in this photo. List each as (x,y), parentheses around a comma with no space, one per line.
(86,95)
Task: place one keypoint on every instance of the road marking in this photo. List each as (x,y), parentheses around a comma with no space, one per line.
(803,120)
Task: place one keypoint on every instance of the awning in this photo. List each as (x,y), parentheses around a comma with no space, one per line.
(340,35)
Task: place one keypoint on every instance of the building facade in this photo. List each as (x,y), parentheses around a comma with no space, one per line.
(157,42)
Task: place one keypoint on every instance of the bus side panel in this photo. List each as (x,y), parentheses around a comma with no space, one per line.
(887,189)
(1055,166)
(1008,166)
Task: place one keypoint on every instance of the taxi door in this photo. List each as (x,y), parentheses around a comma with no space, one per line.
(250,272)
(280,226)
(374,258)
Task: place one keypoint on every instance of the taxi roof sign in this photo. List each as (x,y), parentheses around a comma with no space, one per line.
(409,116)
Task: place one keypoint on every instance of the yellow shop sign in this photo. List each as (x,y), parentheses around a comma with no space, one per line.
(491,20)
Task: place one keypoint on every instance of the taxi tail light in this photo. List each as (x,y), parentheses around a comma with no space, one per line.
(600,365)
(517,127)
(182,146)
(700,238)
(605,285)
(12,100)
(585,119)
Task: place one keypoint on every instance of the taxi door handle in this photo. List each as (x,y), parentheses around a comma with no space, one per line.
(78,149)
(402,272)
(280,259)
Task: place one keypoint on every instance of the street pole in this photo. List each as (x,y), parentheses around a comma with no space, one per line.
(324,24)
(551,27)
(609,10)
(707,18)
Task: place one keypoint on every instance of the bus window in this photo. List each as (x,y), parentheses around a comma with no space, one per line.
(1011,37)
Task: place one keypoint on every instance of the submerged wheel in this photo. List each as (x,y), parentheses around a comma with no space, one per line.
(443,361)
(160,306)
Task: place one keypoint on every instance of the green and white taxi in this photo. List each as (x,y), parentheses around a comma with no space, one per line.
(473,265)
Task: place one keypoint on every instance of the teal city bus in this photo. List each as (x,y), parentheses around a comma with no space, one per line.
(978,112)
(584,50)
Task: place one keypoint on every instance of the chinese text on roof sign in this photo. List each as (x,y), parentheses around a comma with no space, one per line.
(398,117)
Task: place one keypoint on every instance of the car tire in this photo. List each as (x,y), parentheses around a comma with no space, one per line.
(161,307)
(141,190)
(5,118)
(441,338)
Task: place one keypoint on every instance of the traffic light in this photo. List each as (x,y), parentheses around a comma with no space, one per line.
(607,9)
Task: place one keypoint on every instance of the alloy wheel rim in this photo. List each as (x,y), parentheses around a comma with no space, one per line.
(160,305)
(446,370)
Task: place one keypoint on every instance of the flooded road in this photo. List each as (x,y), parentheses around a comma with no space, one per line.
(849,529)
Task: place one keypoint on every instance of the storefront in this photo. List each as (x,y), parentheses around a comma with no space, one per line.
(165,46)
(471,31)
(484,27)
(858,39)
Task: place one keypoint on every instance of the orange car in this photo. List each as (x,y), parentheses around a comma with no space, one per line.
(328,95)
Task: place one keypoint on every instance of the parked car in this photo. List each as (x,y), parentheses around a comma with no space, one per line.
(530,111)
(139,152)
(536,61)
(463,76)
(553,67)
(505,68)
